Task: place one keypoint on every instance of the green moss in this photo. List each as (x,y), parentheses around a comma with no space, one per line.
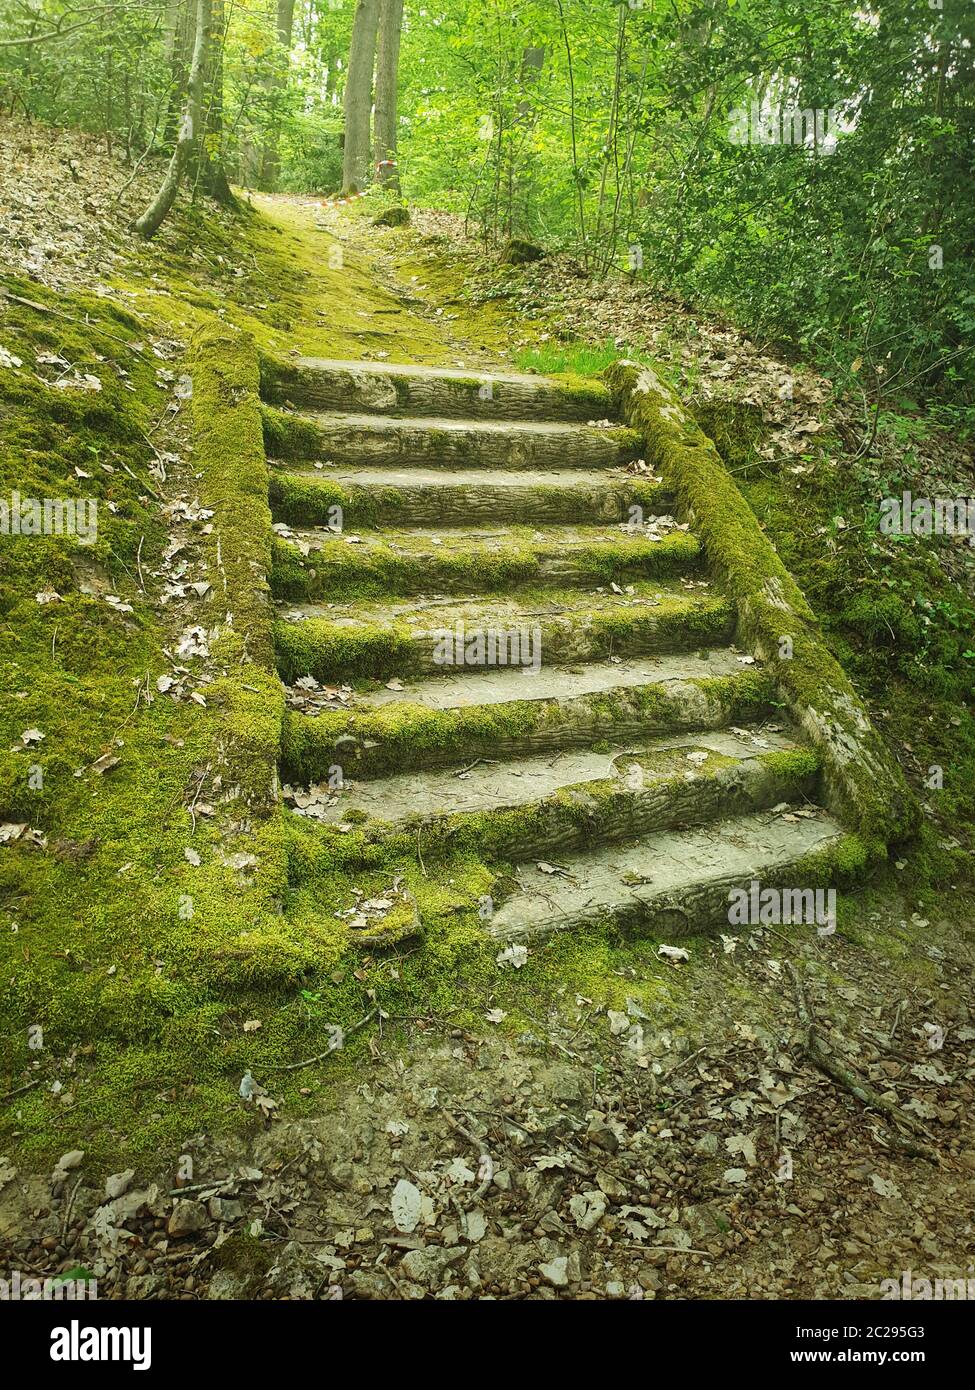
(227,426)
(736,428)
(793,762)
(862,780)
(379,739)
(357,644)
(288,436)
(573,816)
(244,1255)
(842,863)
(312,501)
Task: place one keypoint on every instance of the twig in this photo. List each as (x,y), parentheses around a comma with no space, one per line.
(20,1090)
(817,1053)
(680,1065)
(67,1213)
(158,495)
(897,1019)
(346,1033)
(196,796)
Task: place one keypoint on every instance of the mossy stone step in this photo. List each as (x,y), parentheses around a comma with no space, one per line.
(672,884)
(431,497)
(528,629)
(432,442)
(538,688)
(495,686)
(325,564)
(388,388)
(544,806)
(500,714)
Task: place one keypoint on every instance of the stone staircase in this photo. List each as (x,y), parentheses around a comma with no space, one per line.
(495,634)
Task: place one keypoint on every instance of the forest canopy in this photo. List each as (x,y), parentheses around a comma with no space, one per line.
(803,167)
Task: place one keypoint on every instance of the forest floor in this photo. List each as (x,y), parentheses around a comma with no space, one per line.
(640,1127)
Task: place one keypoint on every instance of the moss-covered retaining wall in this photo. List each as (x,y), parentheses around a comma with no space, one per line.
(229,446)
(864,786)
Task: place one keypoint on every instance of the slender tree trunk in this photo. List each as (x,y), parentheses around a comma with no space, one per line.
(270,160)
(177,47)
(576,173)
(387,75)
(210,173)
(151,220)
(358,96)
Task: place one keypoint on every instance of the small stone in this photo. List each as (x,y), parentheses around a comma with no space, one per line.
(186,1218)
(556,1271)
(601,1134)
(424,1266)
(392,217)
(223,1209)
(119,1183)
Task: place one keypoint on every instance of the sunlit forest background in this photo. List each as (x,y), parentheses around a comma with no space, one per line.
(612,130)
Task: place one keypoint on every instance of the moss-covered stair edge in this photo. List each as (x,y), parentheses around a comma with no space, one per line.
(297,383)
(228,439)
(864,786)
(229,448)
(232,472)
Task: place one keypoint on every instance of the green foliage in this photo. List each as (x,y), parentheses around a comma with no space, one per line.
(607,130)
(677,142)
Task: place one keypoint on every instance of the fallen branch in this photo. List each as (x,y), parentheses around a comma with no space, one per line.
(817,1052)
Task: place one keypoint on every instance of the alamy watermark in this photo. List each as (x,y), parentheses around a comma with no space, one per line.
(758,124)
(924,1290)
(756,906)
(486,646)
(78,1343)
(50,516)
(908,515)
(18,1289)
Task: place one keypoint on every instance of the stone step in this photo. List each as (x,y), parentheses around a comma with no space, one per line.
(387,388)
(423,635)
(670,884)
(370,441)
(323,564)
(548,805)
(444,720)
(376,497)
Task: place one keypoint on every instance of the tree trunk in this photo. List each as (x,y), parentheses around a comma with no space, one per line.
(177,48)
(270,161)
(211,175)
(387,70)
(358,96)
(151,220)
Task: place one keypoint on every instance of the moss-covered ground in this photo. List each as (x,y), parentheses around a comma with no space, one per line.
(131,976)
